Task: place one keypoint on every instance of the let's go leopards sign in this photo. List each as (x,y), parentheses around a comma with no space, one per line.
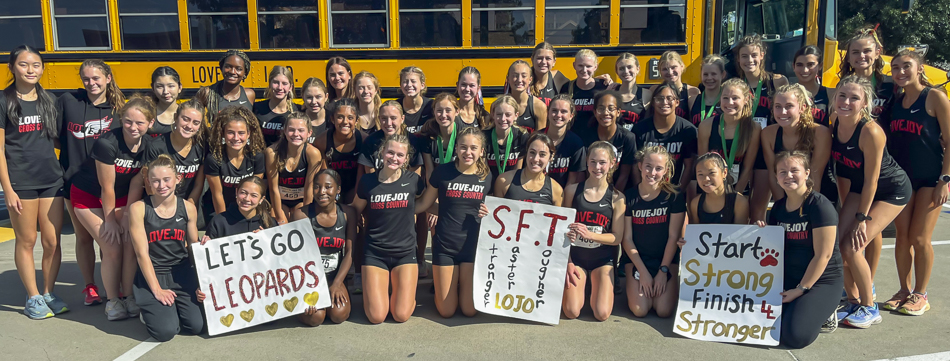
(255,278)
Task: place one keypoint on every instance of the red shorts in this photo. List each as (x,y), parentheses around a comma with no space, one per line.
(83,200)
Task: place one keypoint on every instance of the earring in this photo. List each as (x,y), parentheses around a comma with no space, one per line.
(338,196)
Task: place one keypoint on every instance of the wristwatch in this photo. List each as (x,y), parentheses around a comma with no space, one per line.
(803,288)
(862,217)
(665,269)
(944,178)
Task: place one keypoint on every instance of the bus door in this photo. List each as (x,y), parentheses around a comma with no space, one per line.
(780,22)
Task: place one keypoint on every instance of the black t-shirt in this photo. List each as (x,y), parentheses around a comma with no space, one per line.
(344,163)
(415,121)
(271,123)
(231,222)
(111,149)
(30,154)
(158,129)
(390,212)
(651,225)
(460,196)
(570,156)
(519,148)
(370,148)
(680,141)
(82,124)
(583,103)
(187,166)
(167,238)
(816,212)
(229,175)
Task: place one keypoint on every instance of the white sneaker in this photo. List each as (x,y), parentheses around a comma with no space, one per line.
(131,307)
(115,310)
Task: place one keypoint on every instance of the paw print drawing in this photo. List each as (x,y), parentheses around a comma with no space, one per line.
(769,258)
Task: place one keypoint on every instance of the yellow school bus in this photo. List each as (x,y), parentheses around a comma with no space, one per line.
(383,36)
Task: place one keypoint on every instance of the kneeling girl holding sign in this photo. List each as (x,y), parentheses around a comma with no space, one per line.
(813,265)
(656,211)
(597,230)
(162,226)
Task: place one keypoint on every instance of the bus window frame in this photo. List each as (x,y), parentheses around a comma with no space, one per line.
(685,17)
(54,27)
(458,10)
(534,28)
(331,12)
(39,16)
(120,15)
(578,7)
(289,12)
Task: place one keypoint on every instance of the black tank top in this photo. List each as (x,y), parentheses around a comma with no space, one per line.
(242,100)
(632,111)
(763,113)
(549,91)
(331,240)
(682,110)
(597,216)
(820,109)
(697,112)
(726,215)
(516,191)
(415,121)
(850,159)
(344,163)
(915,139)
(527,119)
(291,183)
(166,236)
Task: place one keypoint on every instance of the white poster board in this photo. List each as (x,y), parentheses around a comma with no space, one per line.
(255,278)
(731,277)
(521,260)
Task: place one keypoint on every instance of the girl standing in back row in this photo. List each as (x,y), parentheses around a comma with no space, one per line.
(280,102)
(235,66)
(166,86)
(534,112)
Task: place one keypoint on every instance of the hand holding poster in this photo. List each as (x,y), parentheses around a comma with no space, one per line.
(521,260)
(254,278)
(730,284)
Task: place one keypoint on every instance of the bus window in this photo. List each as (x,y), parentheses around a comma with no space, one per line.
(430,23)
(80,24)
(577,22)
(359,23)
(502,22)
(729,30)
(21,23)
(643,21)
(220,24)
(288,24)
(149,24)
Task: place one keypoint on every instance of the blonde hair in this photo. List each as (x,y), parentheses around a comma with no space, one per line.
(866,88)
(611,151)
(163,160)
(377,101)
(481,165)
(585,53)
(199,137)
(506,100)
(389,103)
(286,72)
(396,138)
(807,120)
(718,61)
(746,123)
(139,102)
(660,150)
(405,72)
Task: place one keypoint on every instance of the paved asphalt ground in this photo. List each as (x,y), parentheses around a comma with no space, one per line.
(84,333)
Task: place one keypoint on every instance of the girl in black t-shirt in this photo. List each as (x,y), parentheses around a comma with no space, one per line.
(531,184)
(718,203)
(461,186)
(367,95)
(656,212)
(570,158)
(582,90)
(633,98)
(533,110)
(162,225)
(291,165)
(733,134)
(416,107)
(236,151)
(100,202)
(596,232)
(390,200)
(505,138)
(280,102)
(334,225)
(341,145)
(607,114)
(235,66)
(389,119)
(166,86)
(31,177)
(674,133)
(469,90)
(186,145)
(813,278)
(314,94)
(672,67)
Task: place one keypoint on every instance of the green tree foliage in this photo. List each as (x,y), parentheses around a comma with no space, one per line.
(927,23)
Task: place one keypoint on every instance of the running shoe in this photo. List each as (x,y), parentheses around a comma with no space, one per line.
(896,301)
(831,324)
(864,317)
(358,284)
(131,307)
(846,310)
(115,310)
(916,305)
(55,303)
(36,308)
(91,295)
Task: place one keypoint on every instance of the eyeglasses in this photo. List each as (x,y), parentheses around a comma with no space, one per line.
(603,110)
(665,99)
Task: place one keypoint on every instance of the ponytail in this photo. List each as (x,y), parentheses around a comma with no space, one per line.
(806,130)
(660,150)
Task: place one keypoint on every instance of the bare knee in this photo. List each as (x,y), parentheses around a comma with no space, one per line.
(572,311)
(601,313)
(27,241)
(663,311)
(469,311)
(402,316)
(376,316)
(338,315)
(314,320)
(446,311)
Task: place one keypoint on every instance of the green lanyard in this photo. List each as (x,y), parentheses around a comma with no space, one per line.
(702,111)
(500,162)
(731,155)
(447,157)
(755,100)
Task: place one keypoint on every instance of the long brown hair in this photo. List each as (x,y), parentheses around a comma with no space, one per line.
(536,87)
(878,66)
(482,118)
(113,94)
(481,165)
(199,137)
(46,104)
(917,58)
(752,41)
(289,74)
(349,92)
(255,140)
(660,150)
(801,157)
(263,208)
(431,128)
(746,123)
(806,122)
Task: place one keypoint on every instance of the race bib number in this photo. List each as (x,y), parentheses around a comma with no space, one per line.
(290,193)
(762,121)
(330,261)
(586,243)
(734,174)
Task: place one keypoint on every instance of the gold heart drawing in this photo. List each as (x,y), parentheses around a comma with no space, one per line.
(272,309)
(311,298)
(226,320)
(247,315)
(291,304)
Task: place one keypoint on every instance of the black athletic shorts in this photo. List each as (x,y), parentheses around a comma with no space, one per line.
(49,192)
(385,261)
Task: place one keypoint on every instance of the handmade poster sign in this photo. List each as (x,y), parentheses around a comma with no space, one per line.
(730,284)
(521,261)
(254,278)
